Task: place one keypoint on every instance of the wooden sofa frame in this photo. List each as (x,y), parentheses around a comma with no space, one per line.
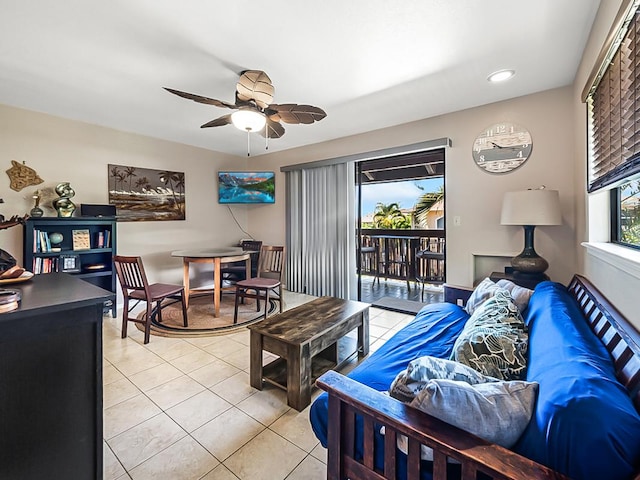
(348,398)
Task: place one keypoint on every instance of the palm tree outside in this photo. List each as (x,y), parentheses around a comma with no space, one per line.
(424,204)
(388,216)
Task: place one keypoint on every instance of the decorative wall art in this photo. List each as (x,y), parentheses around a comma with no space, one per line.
(143,194)
(22,176)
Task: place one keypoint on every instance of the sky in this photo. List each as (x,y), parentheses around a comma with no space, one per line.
(404,193)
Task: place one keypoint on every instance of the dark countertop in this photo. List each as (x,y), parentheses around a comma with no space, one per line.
(53,292)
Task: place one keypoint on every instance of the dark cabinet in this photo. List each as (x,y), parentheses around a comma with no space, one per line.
(81,246)
(526,281)
(51,380)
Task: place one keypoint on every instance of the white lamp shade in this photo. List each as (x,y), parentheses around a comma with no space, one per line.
(248,120)
(531,207)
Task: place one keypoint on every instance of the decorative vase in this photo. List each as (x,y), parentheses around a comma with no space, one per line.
(36,211)
(63,205)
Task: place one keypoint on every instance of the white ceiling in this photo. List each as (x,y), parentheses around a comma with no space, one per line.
(369,64)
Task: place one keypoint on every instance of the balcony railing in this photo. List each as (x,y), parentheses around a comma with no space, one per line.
(403,254)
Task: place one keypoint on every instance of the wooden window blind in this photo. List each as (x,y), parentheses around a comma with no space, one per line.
(614,109)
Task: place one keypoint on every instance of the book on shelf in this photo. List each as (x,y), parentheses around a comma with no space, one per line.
(45,265)
(102,239)
(45,244)
(41,242)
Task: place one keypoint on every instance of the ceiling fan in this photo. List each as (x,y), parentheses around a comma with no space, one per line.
(254,110)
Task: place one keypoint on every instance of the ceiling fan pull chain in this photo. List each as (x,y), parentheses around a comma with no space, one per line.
(266,139)
(248,142)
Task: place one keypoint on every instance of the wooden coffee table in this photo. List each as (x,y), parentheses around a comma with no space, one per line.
(309,339)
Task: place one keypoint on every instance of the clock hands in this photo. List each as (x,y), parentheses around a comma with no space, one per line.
(504,148)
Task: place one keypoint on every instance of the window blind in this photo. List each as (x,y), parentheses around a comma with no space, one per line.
(321,249)
(614,109)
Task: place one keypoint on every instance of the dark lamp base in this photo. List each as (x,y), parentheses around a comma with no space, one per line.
(528,264)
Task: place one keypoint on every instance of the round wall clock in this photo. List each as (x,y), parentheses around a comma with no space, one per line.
(502,147)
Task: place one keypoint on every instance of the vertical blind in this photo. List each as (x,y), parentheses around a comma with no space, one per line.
(614,109)
(321,247)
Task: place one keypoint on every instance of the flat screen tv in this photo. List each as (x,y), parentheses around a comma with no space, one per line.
(246,187)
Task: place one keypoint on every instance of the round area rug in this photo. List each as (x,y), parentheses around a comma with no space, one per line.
(202,323)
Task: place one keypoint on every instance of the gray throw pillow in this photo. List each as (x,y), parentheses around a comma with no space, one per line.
(519,294)
(494,340)
(411,381)
(484,291)
(495,411)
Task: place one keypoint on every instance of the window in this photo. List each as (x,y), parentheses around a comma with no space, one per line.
(626,214)
(613,105)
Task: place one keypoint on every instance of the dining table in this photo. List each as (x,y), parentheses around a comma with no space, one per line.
(217,257)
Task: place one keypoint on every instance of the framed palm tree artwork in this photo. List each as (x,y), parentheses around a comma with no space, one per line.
(145,194)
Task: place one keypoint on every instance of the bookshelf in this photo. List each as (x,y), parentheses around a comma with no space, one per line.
(84,248)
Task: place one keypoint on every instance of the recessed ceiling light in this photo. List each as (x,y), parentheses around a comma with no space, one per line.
(501,75)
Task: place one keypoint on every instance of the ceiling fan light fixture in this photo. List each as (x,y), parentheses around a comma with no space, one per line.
(501,76)
(248,120)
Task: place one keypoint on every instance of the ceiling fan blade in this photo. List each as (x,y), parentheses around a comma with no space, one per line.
(294,113)
(218,122)
(255,85)
(201,99)
(272,129)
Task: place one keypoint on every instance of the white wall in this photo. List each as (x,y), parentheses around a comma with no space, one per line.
(64,150)
(471,193)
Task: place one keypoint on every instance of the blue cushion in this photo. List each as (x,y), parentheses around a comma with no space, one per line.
(585,424)
(433,332)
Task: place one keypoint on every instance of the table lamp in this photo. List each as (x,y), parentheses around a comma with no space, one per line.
(530,208)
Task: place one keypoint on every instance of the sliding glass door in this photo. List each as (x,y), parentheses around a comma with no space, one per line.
(400,223)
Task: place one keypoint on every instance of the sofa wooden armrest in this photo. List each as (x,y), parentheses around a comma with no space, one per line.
(348,398)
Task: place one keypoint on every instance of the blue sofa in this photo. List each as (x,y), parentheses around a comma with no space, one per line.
(584,425)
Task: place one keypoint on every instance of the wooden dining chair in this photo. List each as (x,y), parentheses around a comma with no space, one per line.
(268,281)
(133,280)
(237,270)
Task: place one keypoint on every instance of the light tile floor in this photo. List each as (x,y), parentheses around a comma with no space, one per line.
(183,409)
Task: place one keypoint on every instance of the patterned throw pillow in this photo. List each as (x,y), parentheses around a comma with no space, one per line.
(484,291)
(411,381)
(494,340)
